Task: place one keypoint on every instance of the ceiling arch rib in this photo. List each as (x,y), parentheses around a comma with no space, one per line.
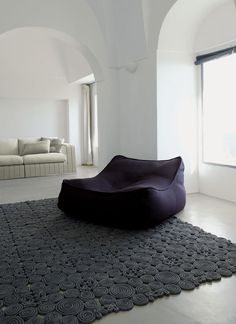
(62,16)
(124,30)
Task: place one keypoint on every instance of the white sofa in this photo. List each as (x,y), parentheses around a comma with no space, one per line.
(33,157)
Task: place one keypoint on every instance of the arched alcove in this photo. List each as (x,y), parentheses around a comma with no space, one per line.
(177,85)
(39,84)
(78,22)
(76,19)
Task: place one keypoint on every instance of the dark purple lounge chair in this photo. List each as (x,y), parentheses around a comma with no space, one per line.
(127,193)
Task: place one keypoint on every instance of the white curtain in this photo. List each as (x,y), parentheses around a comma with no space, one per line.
(89,125)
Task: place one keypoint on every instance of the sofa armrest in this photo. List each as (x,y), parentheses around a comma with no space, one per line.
(70,163)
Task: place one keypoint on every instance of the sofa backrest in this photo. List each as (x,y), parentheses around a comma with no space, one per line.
(23,141)
(9,146)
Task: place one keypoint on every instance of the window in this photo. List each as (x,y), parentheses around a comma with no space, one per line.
(219,110)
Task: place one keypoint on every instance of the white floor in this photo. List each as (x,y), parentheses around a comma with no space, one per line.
(212,303)
(39,187)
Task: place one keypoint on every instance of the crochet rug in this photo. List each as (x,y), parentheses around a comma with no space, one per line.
(54,269)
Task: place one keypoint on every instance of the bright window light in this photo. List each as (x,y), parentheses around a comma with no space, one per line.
(219,111)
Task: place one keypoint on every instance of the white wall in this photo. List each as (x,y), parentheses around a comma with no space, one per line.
(218,181)
(138,113)
(108,117)
(217,31)
(33,118)
(177,112)
(177,89)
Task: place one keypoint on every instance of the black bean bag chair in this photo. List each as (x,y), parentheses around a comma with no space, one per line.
(128,193)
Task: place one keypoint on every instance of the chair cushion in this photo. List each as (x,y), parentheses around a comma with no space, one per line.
(9,146)
(23,141)
(10,160)
(44,158)
(36,148)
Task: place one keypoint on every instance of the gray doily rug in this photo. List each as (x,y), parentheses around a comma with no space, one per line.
(54,269)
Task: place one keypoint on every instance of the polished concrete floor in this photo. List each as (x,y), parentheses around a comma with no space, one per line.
(14,190)
(211,303)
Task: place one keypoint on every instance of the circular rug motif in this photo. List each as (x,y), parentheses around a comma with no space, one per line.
(54,269)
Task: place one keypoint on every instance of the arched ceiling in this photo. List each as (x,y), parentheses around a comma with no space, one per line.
(74,18)
(182,22)
(123,28)
(131,28)
(120,32)
(218,30)
(40,53)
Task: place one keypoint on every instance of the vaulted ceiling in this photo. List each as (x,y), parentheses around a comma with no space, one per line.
(183,21)
(37,52)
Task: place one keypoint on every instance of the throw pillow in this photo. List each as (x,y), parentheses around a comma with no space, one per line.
(36,148)
(55,143)
(23,141)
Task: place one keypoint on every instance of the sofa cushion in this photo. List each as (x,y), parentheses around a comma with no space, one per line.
(36,148)
(44,158)
(9,146)
(55,143)
(23,141)
(10,160)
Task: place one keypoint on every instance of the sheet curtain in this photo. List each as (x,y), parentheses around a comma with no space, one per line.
(89,125)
